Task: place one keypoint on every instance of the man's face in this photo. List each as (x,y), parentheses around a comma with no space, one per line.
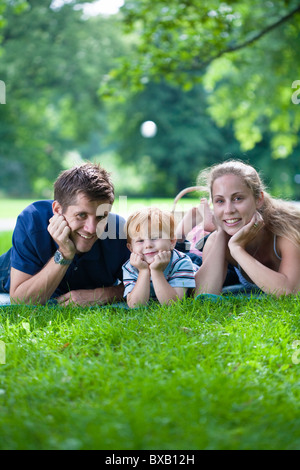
(87,220)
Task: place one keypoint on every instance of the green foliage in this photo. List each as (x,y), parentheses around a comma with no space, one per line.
(215,77)
(186,140)
(52,64)
(248,51)
(195,375)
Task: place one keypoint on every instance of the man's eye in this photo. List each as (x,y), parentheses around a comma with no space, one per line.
(102,216)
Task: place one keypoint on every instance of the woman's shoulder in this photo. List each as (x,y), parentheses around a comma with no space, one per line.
(283,244)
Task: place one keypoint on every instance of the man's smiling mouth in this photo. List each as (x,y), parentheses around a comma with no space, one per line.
(86,237)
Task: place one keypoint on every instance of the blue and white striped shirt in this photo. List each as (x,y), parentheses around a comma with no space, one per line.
(180,272)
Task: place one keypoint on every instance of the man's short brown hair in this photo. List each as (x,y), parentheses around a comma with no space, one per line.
(89,178)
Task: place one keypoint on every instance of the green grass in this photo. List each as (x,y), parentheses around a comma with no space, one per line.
(194,375)
(10,208)
(5,241)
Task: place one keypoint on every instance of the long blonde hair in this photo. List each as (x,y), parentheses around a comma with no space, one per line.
(280,217)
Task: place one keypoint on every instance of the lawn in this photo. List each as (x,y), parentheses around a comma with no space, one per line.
(10,208)
(195,375)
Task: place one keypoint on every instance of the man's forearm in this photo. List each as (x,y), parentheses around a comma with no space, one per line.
(38,288)
(109,294)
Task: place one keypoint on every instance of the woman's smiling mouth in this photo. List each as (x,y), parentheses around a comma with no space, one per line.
(232,222)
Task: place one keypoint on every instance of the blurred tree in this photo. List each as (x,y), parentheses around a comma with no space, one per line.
(186,138)
(247,52)
(52,63)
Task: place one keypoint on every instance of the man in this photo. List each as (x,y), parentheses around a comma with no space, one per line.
(69,249)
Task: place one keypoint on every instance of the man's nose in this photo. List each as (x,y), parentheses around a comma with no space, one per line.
(90,225)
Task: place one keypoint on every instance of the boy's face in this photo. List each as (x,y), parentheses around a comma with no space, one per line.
(148,248)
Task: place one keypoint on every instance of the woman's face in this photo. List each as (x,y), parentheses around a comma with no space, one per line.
(233,202)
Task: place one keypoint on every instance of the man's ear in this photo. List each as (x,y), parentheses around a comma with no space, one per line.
(129,247)
(56,207)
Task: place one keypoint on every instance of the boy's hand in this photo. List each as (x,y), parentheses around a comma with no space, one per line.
(138,262)
(60,232)
(161,261)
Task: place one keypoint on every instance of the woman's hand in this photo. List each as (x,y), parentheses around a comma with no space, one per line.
(247,233)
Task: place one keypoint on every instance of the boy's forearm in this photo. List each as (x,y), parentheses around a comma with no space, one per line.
(140,294)
(163,291)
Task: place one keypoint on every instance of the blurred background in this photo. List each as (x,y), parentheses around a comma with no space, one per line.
(154,91)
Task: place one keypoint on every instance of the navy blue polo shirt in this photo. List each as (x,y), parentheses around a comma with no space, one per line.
(32,248)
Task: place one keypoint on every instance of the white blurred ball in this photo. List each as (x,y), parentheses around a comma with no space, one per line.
(148,129)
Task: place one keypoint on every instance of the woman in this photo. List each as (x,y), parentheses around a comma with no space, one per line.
(257,234)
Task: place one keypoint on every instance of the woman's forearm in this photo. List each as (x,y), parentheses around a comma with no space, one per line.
(211,274)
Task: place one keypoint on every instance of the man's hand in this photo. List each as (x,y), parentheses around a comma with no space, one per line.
(89,297)
(79,297)
(60,232)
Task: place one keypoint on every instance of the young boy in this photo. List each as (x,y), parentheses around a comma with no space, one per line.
(155,269)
